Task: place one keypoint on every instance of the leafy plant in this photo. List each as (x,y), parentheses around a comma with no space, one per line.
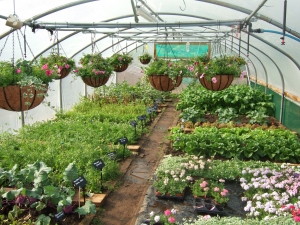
(258,116)
(55,63)
(226,115)
(119,59)
(145,56)
(94,66)
(223,65)
(192,114)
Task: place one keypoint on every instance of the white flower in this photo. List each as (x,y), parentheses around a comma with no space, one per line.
(173,211)
(151,213)
(156,219)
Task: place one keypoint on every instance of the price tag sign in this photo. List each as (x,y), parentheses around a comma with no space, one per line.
(150,110)
(112,155)
(60,216)
(80,182)
(133,123)
(142,117)
(99,164)
(123,141)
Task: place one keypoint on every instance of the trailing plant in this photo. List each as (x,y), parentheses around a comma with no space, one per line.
(145,56)
(223,65)
(94,66)
(54,63)
(119,59)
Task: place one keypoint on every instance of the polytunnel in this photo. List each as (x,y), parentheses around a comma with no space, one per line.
(265,33)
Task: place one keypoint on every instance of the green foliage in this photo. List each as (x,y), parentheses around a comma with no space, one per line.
(171,68)
(226,115)
(243,143)
(224,65)
(240,98)
(145,56)
(119,59)
(54,63)
(94,66)
(24,73)
(88,208)
(192,114)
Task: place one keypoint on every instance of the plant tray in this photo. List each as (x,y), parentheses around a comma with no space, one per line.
(171,197)
(208,206)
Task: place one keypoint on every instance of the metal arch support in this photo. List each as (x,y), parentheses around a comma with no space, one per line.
(56,9)
(247,11)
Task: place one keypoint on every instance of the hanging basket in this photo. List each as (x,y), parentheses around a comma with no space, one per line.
(121,68)
(163,82)
(145,61)
(63,73)
(17,98)
(95,81)
(223,82)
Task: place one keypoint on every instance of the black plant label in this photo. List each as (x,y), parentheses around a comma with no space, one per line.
(99,164)
(123,140)
(60,216)
(80,182)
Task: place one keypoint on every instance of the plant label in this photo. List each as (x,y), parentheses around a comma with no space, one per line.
(133,123)
(60,216)
(80,182)
(149,110)
(123,140)
(155,107)
(142,117)
(112,155)
(99,164)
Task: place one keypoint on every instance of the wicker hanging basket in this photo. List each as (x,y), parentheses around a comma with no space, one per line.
(223,82)
(163,82)
(17,98)
(95,81)
(145,61)
(63,73)
(121,68)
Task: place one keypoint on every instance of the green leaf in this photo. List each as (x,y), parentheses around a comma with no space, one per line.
(10,195)
(43,220)
(89,207)
(40,206)
(70,173)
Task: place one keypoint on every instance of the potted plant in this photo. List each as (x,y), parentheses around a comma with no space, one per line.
(23,86)
(165,75)
(145,58)
(57,64)
(219,72)
(120,61)
(95,70)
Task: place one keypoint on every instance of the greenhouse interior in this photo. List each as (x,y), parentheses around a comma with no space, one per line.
(150,112)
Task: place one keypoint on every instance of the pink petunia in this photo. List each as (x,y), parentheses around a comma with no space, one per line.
(167,212)
(45,67)
(297,218)
(206,67)
(76,71)
(67,66)
(214,80)
(48,73)
(206,188)
(170,64)
(206,217)
(171,220)
(120,58)
(18,71)
(202,75)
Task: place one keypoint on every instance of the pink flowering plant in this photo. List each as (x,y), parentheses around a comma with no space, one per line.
(23,72)
(268,190)
(172,69)
(119,59)
(223,65)
(55,63)
(211,189)
(167,218)
(94,66)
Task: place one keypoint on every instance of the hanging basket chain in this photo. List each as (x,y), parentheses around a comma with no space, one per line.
(20,45)
(27,45)
(13,49)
